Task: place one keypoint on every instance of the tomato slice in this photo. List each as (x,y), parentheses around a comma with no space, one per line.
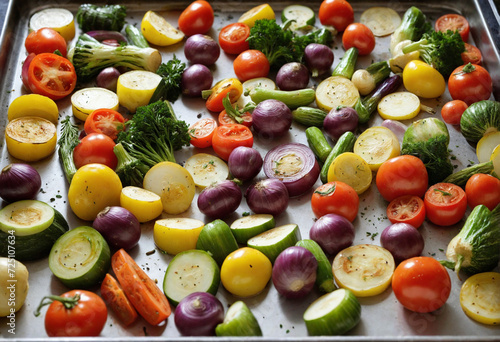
(51,75)
(445,204)
(225,119)
(453,22)
(219,91)
(407,209)
(105,121)
(227,137)
(233,38)
(471,54)
(202,131)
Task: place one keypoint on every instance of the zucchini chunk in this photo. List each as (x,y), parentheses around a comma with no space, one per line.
(35,225)
(247,227)
(239,321)
(275,240)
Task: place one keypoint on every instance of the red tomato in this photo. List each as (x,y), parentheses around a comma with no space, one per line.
(470,83)
(198,17)
(105,121)
(202,132)
(45,40)
(95,148)
(232,38)
(51,75)
(402,175)
(471,54)
(452,111)
(483,189)
(225,119)
(407,209)
(445,204)
(421,284)
(453,22)
(359,36)
(251,64)
(86,318)
(336,13)
(335,198)
(226,138)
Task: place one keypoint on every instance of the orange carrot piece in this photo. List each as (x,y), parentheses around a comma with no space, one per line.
(115,298)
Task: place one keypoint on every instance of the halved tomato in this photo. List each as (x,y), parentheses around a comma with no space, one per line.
(471,54)
(445,204)
(407,209)
(105,121)
(51,75)
(233,38)
(227,137)
(453,22)
(202,131)
(225,119)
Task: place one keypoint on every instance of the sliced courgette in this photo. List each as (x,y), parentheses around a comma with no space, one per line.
(35,225)
(249,226)
(216,238)
(334,313)
(175,235)
(188,272)
(239,321)
(80,258)
(274,241)
(206,169)
(324,273)
(301,15)
(479,297)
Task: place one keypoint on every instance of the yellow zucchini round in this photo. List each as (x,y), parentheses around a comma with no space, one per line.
(33,105)
(59,19)
(135,88)
(175,235)
(158,31)
(336,91)
(86,100)
(376,145)
(144,204)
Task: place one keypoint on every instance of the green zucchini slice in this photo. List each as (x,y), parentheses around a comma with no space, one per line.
(324,273)
(274,241)
(35,225)
(302,16)
(247,227)
(80,258)
(239,321)
(334,313)
(188,272)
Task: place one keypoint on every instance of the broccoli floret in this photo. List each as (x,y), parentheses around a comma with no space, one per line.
(89,57)
(151,137)
(441,50)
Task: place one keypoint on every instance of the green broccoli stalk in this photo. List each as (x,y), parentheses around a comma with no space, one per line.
(108,17)
(441,50)
(170,85)
(89,57)
(151,136)
(413,25)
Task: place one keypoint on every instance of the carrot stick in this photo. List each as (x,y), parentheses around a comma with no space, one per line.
(115,298)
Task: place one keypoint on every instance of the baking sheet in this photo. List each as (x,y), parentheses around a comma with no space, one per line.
(383,318)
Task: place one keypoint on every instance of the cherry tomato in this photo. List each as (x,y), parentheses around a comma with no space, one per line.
(453,22)
(219,91)
(336,13)
(45,40)
(445,204)
(86,318)
(359,36)
(51,75)
(202,132)
(232,38)
(335,198)
(198,17)
(105,121)
(226,138)
(407,209)
(251,64)
(483,189)
(471,54)
(421,284)
(225,119)
(95,148)
(470,83)
(452,111)
(402,175)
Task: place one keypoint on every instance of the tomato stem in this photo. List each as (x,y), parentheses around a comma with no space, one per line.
(68,302)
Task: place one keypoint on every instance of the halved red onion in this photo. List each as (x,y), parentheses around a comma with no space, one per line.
(295,165)
(198,314)
(19,181)
(267,196)
(220,199)
(294,272)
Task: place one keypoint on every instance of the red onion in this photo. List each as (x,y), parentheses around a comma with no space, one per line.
(295,165)
(340,120)
(333,233)
(108,78)
(294,272)
(198,314)
(201,49)
(19,181)
(397,127)
(403,241)
(195,79)
(103,35)
(318,58)
(119,227)
(24,71)
(267,196)
(271,119)
(220,199)
(292,76)
(244,163)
